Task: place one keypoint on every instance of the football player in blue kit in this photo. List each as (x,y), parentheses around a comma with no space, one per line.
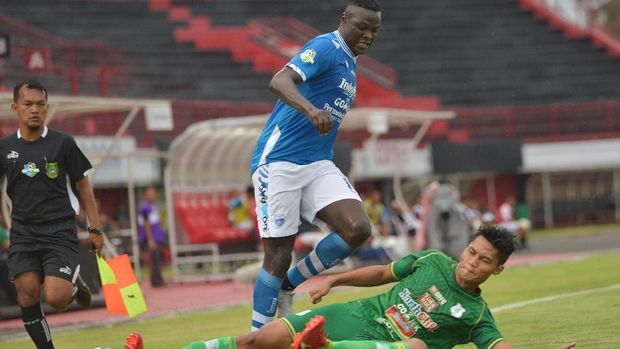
(292,171)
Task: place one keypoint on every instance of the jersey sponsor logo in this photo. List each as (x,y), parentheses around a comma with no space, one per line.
(415,307)
(262,198)
(12,155)
(427,302)
(30,169)
(457,310)
(348,87)
(400,322)
(308,56)
(51,169)
(437,295)
(65,270)
(337,115)
(341,103)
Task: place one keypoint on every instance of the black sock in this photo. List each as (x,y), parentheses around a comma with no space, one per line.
(286,284)
(36,326)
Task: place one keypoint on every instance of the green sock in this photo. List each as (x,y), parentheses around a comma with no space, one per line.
(365,345)
(218,343)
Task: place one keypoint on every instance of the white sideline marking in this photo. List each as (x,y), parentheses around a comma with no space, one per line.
(552,298)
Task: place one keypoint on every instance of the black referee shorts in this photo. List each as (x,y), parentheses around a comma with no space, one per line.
(51,249)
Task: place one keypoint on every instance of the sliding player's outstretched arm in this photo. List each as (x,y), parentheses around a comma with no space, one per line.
(374,275)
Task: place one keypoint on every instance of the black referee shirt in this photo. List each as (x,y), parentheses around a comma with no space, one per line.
(41,176)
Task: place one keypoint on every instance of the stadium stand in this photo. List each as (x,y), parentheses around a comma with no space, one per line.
(480,52)
(163,68)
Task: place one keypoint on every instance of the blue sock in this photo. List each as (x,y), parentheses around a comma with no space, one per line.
(265,304)
(331,250)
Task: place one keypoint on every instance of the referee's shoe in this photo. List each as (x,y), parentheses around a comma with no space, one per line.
(81,293)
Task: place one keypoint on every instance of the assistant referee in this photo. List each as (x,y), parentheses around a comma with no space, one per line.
(45,170)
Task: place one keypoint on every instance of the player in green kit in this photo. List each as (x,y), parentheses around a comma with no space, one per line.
(436,304)
(436,300)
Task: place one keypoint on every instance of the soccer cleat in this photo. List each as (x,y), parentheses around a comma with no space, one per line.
(285,303)
(313,336)
(134,341)
(82,293)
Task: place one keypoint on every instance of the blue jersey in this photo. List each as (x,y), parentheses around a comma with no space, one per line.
(327,67)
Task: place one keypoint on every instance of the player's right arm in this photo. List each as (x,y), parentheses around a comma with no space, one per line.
(284,85)
(374,275)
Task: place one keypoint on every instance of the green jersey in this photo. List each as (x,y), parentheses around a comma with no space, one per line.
(427,303)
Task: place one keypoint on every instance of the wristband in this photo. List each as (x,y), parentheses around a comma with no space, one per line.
(95,230)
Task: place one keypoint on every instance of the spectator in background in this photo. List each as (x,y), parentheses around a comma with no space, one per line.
(150,234)
(445,224)
(378,214)
(240,210)
(418,209)
(404,221)
(506,218)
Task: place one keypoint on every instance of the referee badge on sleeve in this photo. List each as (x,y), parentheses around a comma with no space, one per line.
(51,169)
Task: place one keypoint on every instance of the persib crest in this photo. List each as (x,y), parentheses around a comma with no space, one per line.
(308,56)
(51,169)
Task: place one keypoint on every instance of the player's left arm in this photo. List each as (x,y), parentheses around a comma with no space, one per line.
(78,168)
(87,198)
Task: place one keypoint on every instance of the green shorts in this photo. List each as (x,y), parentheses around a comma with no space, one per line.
(343,321)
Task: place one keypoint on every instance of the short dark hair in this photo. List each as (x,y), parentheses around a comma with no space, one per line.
(30,84)
(500,238)
(372,5)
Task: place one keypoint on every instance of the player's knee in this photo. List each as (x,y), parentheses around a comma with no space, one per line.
(27,299)
(277,260)
(359,231)
(415,343)
(57,300)
(27,296)
(278,254)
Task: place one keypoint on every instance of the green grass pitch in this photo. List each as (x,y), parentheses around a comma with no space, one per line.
(591,317)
